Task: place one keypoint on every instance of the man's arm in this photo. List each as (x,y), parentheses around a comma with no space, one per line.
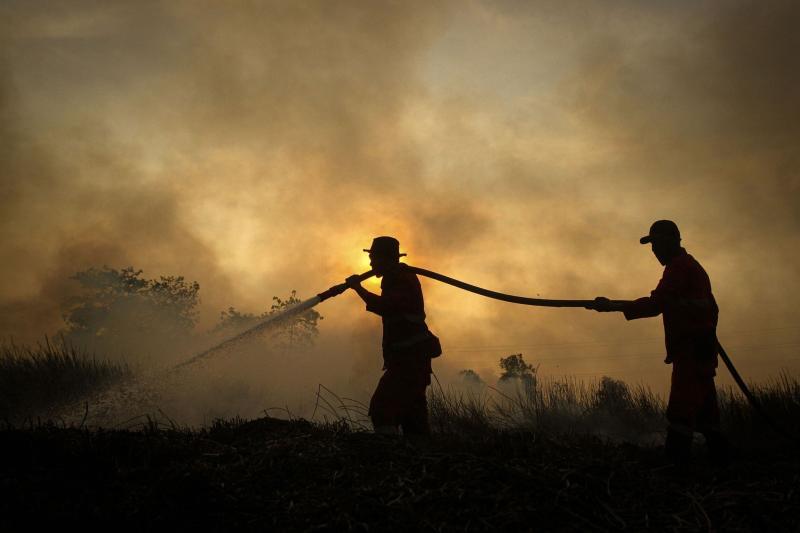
(666,292)
(641,308)
(371,299)
(401,296)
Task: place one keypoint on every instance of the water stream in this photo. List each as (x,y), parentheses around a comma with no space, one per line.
(268,322)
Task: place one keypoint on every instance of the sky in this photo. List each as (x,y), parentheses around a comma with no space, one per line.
(258,147)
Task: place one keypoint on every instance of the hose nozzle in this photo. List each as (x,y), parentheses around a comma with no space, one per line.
(336,290)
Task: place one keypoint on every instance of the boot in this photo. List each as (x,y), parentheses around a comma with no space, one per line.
(678,447)
(719,450)
(387,430)
(415,422)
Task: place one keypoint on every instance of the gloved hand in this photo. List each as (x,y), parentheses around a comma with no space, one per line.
(602,304)
(353,281)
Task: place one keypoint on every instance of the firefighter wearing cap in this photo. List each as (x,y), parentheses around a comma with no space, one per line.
(684,299)
(399,400)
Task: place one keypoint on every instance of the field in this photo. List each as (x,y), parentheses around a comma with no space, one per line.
(544,456)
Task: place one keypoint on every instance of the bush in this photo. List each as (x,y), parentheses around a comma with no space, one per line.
(118,309)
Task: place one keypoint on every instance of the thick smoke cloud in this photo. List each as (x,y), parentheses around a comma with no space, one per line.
(256,148)
(675,111)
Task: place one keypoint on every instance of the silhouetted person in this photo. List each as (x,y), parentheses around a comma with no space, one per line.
(408,345)
(684,298)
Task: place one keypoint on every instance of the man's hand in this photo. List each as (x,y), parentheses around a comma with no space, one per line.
(353,281)
(602,304)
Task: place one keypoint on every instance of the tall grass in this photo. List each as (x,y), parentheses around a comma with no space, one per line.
(35,378)
(609,408)
(779,398)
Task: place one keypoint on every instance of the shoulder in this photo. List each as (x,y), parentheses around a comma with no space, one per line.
(678,269)
(681,262)
(405,274)
(695,266)
(402,276)
(406,278)
(686,269)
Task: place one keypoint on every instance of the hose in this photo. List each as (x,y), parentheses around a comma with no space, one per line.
(522,300)
(540,302)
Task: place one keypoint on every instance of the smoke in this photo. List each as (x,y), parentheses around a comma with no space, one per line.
(257,148)
(687,112)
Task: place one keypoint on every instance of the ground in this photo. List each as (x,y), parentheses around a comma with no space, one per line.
(293,475)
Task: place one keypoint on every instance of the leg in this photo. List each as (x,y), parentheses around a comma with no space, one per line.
(383,406)
(708,424)
(385,429)
(400,398)
(415,418)
(681,411)
(417,377)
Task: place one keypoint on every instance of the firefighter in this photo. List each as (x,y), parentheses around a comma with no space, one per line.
(684,299)
(408,345)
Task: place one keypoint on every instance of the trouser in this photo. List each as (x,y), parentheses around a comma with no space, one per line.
(399,399)
(693,407)
(692,399)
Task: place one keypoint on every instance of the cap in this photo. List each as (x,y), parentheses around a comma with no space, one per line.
(387,246)
(662,229)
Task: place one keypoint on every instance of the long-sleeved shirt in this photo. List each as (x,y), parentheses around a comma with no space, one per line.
(401,307)
(690,312)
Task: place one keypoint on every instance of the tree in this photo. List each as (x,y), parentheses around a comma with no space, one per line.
(299,330)
(514,367)
(232,320)
(119,310)
(613,395)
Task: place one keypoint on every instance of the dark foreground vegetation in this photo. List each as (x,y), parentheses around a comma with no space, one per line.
(525,455)
(295,475)
(32,379)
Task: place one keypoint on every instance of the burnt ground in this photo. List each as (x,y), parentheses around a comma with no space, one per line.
(270,474)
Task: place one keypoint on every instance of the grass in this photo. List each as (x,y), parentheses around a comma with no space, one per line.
(32,379)
(608,408)
(612,409)
(35,378)
(779,398)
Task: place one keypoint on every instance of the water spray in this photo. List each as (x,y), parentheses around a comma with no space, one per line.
(272,320)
